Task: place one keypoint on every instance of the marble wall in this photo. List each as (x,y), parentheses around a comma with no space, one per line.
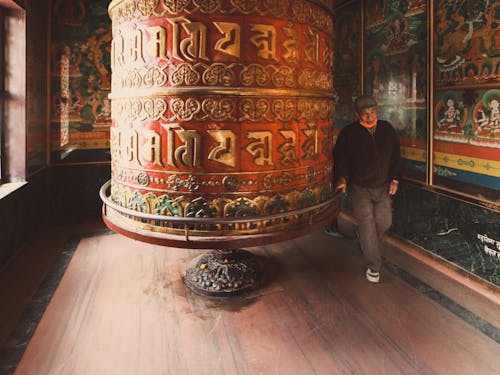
(462,233)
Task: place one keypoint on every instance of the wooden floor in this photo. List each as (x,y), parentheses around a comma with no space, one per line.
(121,308)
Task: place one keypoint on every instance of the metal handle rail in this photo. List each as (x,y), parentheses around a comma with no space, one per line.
(206,221)
(194,220)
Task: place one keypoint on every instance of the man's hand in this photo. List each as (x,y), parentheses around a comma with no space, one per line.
(393,187)
(341,185)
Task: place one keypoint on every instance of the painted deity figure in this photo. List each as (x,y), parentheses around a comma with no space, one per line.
(450,121)
(69,12)
(376,77)
(375,12)
(103,111)
(346,46)
(489,125)
(398,36)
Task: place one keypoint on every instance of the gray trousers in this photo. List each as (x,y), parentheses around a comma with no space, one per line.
(372,210)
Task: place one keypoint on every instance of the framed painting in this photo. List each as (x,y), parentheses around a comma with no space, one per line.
(467,43)
(466,111)
(466,142)
(80,81)
(396,74)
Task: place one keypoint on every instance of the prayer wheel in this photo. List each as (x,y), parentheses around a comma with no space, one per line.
(221,121)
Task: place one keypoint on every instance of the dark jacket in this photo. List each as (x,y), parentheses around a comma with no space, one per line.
(365,159)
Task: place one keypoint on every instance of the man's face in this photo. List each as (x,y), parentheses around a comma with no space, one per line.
(367,115)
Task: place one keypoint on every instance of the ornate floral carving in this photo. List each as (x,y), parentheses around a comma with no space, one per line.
(283,76)
(245,6)
(184,74)
(221,109)
(147,7)
(154,108)
(254,74)
(253,110)
(301,11)
(218,75)
(278,8)
(222,75)
(231,183)
(218,109)
(176,6)
(176,183)
(151,109)
(154,76)
(208,6)
(127,11)
(220,206)
(184,110)
(283,110)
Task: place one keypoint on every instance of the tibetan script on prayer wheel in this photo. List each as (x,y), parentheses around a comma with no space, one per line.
(222,120)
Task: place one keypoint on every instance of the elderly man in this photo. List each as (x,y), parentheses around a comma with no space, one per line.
(367,164)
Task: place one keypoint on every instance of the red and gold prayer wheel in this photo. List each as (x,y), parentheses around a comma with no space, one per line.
(222,120)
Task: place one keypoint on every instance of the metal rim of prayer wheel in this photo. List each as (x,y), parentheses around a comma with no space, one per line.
(222,111)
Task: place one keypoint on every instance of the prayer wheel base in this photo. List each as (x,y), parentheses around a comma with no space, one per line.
(222,273)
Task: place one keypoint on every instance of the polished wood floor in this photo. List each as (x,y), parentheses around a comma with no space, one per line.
(121,308)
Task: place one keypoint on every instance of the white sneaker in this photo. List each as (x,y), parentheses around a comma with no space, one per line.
(332,231)
(372,276)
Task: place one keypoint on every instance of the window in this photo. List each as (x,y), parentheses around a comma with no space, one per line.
(2,90)
(12,91)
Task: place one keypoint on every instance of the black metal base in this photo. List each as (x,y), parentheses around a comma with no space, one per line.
(223,273)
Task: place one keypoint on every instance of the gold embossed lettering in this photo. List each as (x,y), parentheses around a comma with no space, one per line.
(230,43)
(328,54)
(114,134)
(129,145)
(311,49)
(157,42)
(187,155)
(264,40)
(118,51)
(193,46)
(261,148)
(225,152)
(135,47)
(151,148)
(287,148)
(311,143)
(291,45)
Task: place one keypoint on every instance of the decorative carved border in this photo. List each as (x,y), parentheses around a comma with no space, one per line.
(221,75)
(222,109)
(222,206)
(314,13)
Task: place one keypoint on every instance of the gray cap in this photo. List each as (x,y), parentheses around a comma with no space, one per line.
(364,101)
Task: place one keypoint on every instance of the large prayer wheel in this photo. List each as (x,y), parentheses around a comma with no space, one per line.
(222,121)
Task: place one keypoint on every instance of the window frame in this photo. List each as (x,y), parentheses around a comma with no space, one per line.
(13,91)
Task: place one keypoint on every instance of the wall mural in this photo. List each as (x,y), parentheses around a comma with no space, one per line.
(80,81)
(467,35)
(467,99)
(347,63)
(395,74)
